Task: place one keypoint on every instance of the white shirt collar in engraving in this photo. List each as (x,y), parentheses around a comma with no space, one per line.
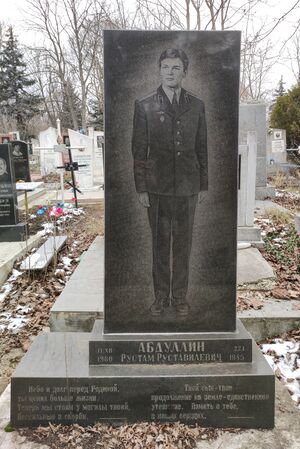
(170,93)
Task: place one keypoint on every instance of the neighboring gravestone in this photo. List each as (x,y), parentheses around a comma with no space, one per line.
(247,232)
(98,141)
(252,117)
(21,160)
(169,349)
(83,153)
(49,159)
(10,228)
(276,146)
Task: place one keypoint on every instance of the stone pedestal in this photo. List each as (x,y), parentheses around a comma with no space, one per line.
(167,349)
(13,233)
(126,379)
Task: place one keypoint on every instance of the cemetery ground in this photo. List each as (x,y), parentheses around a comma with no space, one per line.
(27,297)
(26,300)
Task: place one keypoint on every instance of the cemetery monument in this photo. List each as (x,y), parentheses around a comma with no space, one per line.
(276,146)
(10,228)
(170,347)
(21,160)
(253,117)
(49,159)
(83,154)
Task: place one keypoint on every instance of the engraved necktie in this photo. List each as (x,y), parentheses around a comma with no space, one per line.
(175,103)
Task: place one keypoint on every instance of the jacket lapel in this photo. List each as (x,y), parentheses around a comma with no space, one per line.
(184,102)
(164,103)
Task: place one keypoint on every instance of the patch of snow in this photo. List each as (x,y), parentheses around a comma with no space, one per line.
(5,290)
(16,323)
(48,229)
(15,275)
(278,240)
(78,211)
(67,261)
(32,216)
(270,360)
(12,323)
(7,287)
(284,359)
(280,348)
(23,309)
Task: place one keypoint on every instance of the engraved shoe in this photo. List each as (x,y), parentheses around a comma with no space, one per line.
(181,306)
(158,306)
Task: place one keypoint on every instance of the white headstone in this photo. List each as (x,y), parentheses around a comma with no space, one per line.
(98,139)
(84,156)
(49,159)
(276,146)
(246,193)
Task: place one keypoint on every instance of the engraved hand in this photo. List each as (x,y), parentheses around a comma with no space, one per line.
(144,199)
(200,197)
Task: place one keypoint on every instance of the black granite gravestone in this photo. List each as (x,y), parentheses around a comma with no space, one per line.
(169,348)
(10,228)
(21,160)
(142,154)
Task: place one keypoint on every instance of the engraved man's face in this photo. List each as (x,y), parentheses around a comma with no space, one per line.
(172,72)
(2,167)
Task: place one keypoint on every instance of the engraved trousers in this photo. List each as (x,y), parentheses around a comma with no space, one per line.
(171,220)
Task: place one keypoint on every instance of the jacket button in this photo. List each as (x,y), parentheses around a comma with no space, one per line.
(178,133)
(177,142)
(178,122)
(178,153)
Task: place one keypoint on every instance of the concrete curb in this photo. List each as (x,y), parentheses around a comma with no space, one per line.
(10,252)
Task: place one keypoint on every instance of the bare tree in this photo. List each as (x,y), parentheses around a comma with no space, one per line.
(294,56)
(84,21)
(257,63)
(71,60)
(47,17)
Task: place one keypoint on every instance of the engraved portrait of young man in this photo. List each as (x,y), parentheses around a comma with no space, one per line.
(4,175)
(169,147)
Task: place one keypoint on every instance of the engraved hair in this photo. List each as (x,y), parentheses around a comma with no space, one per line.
(175,53)
(4,166)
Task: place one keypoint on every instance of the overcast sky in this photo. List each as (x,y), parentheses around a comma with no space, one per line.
(11,13)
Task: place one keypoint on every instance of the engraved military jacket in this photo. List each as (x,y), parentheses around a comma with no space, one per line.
(170,147)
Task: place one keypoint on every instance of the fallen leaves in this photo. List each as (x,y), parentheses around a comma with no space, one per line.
(137,436)
(28,297)
(289,200)
(282,251)
(244,303)
(280,293)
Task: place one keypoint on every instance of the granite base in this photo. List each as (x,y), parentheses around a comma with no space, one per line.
(53,383)
(13,233)
(169,349)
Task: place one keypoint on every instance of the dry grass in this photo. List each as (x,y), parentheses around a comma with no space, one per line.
(94,223)
(278,217)
(279,180)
